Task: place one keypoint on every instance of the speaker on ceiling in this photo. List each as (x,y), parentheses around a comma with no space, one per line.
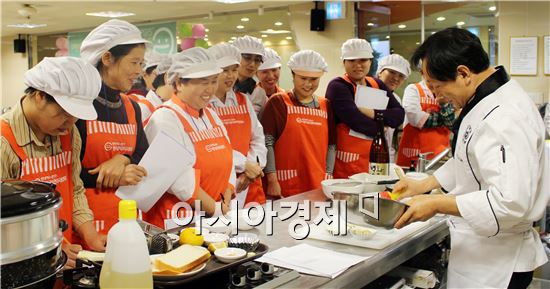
(317,19)
(19,46)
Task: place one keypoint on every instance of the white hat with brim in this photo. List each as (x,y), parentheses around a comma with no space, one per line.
(395,68)
(307,63)
(72,82)
(394,62)
(199,70)
(108,35)
(194,62)
(307,73)
(356,48)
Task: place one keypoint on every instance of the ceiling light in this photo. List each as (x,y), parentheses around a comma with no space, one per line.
(402,26)
(205,35)
(27,10)
(493,8)
(245,19)
(207,30)
(110,14)
(460,23)
(417,43)
(289,37)
(205,39)
(264,35)
(27,25)
(278,23)
(267,43)
(387,37)
(230,41)
(370,24)
(271,31)
(232,1)
(283,42)
(240,27)
(440,18)
(233,37)
(433,32)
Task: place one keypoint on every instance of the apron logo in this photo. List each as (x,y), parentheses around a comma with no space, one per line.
(467,134)
(117,147)
(307,121)
(214,147)
(108,146)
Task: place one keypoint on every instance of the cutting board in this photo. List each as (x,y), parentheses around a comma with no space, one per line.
(382,238)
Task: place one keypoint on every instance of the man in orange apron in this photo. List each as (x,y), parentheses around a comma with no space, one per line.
(40,142)
(268,78)
(244,130)
(187,118)
(427,125)
(299,131)
(356,125)
(115,142)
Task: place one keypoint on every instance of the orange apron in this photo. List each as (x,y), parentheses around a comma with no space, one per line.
(56,169)
(301,150)
(236,120)
(214,163)
(104,140)
(144,101)
(420,140)
(352,153)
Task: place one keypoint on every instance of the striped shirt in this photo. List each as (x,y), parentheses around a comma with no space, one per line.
(34,148)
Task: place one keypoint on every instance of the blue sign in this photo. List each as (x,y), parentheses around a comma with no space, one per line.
(335,10)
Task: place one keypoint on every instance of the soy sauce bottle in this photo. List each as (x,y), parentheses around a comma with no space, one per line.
(379,152)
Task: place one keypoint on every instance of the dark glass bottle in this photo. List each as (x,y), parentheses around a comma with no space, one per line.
(379,152)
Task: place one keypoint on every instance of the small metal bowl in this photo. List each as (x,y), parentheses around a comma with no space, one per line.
(245,241)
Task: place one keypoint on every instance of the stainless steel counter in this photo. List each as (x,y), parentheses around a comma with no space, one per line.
(379,263)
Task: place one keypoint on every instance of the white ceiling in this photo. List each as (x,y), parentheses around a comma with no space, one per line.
(66,16)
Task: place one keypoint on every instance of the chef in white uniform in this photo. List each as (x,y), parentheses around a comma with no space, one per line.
(494,178)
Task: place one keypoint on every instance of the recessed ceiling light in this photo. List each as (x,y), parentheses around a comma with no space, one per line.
(433,32)
(387,37)
(264,35)
(283,42)
(289,37)
(278,23)
(245,19)
(402,26)
(240,27)
(493,8)
(205,39)
(267,43)
(205,35)
(207,30)
(417,43)
(27,25)
(460,23)
(370,24)
(440,18)
(110,14)
(230,41)
(233,37)
(271,31)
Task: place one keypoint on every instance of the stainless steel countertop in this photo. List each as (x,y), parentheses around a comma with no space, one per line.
(379,263)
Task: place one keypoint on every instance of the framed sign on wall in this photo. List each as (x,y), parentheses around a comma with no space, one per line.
(523,55)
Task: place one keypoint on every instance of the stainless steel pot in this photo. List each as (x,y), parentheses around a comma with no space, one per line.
(31,233)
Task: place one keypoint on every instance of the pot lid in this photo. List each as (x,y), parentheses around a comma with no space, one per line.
(23,197)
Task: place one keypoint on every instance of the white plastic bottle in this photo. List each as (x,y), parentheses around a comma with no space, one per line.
(126,263)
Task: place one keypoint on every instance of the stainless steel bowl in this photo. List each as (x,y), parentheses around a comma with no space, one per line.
(361,209)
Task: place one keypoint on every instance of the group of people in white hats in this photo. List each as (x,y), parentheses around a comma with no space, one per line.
(249,140)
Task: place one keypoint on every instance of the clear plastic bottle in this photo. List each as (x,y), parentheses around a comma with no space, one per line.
(127,263)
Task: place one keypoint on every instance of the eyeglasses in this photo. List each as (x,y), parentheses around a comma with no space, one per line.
(252,57)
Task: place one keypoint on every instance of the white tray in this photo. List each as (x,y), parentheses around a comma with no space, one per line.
(381,240)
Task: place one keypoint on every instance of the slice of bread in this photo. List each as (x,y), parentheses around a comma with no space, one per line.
(182,259)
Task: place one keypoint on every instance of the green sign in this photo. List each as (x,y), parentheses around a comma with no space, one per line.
(161,35)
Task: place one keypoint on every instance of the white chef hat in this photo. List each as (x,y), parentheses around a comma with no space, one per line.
(152,59)
(307,63)
(356,49)
(225,54)
(249,45)
(394,62)
(165,63)
(194,62)
(271,60)
(72,82)
(108,35)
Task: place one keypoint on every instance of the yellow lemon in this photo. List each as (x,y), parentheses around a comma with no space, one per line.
(188,236)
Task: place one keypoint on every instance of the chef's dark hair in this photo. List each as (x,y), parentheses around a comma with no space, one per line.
(445,50)
(118,52)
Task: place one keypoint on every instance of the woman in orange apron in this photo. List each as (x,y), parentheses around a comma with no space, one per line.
(393,69)
(268,78)
(356,126)
(40,142)
(115,142)
(186,118)
(299,131)
(242,125)
(427,126)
